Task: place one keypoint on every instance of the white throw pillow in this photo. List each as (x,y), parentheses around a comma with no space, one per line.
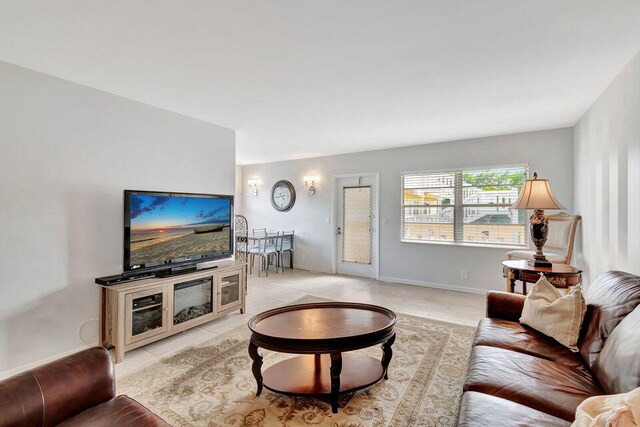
(553,314)
(616,410)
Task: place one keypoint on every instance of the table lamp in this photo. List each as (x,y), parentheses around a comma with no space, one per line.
(536,194)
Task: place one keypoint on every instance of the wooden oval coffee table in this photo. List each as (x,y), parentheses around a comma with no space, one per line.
(322,332)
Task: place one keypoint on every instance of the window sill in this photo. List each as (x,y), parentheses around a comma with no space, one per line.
(466,244)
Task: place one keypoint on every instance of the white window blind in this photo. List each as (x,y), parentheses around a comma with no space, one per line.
(465,206)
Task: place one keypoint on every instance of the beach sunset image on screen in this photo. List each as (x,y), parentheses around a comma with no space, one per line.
(168,227)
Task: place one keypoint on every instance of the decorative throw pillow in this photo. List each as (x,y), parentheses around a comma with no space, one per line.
(615,410)
(553,314)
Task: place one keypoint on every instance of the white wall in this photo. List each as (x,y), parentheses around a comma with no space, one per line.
(550,153)
(607,177)
(68,151)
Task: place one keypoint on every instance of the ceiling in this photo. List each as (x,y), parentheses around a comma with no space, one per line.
(301,79)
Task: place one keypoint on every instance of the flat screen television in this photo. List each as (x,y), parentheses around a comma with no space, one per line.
(169,231)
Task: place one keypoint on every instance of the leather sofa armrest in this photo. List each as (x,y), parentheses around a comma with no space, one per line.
(75,383)
(504,305)
(54,392)
(21,401)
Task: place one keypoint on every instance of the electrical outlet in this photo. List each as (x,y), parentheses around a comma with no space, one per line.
(464,274)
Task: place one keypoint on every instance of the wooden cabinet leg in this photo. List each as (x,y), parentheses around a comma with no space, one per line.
(118,353)
(103,320)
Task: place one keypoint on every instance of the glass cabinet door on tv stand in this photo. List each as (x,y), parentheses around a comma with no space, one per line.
(229,293)
(146,315)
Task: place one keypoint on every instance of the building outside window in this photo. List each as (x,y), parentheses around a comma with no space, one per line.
(464,206)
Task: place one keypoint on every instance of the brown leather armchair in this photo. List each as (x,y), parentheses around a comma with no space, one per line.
(519,377)
(78,390)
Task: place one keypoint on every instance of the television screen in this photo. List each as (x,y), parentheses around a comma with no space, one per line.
(170,228)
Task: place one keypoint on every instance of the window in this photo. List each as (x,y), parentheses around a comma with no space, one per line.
(464,206)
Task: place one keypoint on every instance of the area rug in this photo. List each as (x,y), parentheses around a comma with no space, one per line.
(211,384)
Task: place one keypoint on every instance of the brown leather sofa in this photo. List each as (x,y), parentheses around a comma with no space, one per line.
(519,377)
(78,390)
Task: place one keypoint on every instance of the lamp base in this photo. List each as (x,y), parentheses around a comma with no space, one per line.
(539,233)
(536,262)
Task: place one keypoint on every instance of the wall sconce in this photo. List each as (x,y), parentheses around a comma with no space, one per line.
(309,182)
(254,183)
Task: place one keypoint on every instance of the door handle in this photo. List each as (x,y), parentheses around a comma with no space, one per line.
(339,231)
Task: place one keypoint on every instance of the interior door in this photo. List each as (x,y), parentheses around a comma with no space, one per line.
(356,243)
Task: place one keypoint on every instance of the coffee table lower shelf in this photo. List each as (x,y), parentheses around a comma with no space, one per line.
(310,374)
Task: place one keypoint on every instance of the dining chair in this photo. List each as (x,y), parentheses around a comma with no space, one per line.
(271,251)
(258,233)
(279,244)
(286,245)
(264,250)
(254,248)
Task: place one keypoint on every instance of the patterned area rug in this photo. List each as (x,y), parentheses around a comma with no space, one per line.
(211,384)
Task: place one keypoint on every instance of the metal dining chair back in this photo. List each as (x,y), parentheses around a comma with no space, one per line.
(259,232)
(279,242)
(286,244)
(287,240)
(272,240)
(257,248)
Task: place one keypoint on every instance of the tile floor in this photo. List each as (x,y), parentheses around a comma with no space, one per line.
(285,288)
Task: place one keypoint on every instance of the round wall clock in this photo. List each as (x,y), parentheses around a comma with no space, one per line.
(283,196)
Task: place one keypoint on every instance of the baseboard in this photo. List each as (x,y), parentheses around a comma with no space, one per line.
(435,285)
(298,267)
(28,366)
(311,269)
(408,282)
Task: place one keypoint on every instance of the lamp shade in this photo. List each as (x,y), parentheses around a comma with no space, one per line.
(536,194)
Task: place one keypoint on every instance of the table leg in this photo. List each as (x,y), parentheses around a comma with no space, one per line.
(510,276)
(317,362)
(336,369)
(387,354)
(257,365)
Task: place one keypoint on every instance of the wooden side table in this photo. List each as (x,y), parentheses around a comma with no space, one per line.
(559,275)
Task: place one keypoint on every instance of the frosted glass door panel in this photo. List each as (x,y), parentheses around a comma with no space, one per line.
(356,227)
